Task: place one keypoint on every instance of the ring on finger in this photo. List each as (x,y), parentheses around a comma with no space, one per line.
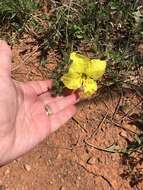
(48,110)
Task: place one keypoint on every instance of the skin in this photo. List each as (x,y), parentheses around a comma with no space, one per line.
(24,122)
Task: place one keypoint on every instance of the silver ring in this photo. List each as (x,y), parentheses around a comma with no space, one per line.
(48,110)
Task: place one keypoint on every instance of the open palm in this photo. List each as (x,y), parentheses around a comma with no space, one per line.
(24,122)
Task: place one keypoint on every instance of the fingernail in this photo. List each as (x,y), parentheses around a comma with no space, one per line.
(77,96)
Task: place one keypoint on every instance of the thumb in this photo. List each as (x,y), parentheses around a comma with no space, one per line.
(5,58)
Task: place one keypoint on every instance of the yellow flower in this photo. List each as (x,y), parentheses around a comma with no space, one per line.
(83,73)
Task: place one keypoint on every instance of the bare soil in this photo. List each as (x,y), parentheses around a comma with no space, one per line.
(74,157)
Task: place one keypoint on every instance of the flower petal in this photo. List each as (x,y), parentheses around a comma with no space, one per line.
(79,63)
(90,86)
(72,80)
(96,69)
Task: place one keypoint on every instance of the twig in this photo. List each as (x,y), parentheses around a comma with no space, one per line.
(96,175)
(32,53)
(109,183)
(60,147)
(119,125)
(137,188)
(110,94)
(66,148)
(106,105)
(24,61)
(16,67)
(78,124)
(117,107)
(100,149)
(127,114)
(87,169)
(138,91)
(97,128)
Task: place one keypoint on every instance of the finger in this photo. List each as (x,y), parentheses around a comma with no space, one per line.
(5,58)
(44,125)
(59,119)
(39,86)
(60,103)
(45,98)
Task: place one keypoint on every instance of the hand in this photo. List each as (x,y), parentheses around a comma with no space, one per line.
(23,120)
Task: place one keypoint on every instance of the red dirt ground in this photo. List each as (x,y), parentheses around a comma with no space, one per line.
(68,159)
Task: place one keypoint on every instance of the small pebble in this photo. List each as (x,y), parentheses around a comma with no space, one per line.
(123,134)
(62,188)
(7,172)
(27,167)
(59,156)
(126,136)
(91,161)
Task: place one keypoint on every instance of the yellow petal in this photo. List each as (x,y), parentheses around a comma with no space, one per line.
(89,86)
(72,80)
(96,68)
(79,63)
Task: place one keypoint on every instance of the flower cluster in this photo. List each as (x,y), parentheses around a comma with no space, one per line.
(83,73)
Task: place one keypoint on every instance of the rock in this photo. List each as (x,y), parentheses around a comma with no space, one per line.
(7,172)
(123,134)
(62,188)
(91,161)
(59,156)
(27,167)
